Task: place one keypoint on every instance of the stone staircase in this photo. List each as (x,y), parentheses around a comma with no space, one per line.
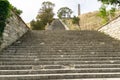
(56,25)
(61,55)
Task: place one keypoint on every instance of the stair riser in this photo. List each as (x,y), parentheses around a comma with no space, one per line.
(23,67)
(61,59)
(57,62)
(58,71)
(60,77)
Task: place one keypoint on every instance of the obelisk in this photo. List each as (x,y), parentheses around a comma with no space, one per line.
(79,10)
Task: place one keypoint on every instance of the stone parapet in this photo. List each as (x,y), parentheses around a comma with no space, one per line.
(112,28)
(15,28)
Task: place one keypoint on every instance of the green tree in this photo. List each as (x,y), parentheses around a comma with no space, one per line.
(64,12)
(17,11)
(44,16)
(103,14)
(47,5)
(4,13)
(36,25)
(111,2)
(112,11)
(75,20)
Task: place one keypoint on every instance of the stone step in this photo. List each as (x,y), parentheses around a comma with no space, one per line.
(41,44)
(60,76)
(66,50)
(35,62)
(63,59)
(17,56)
(46,57)
(24,67)
(58,52)
(59,71)
(63,53)
(21,67)
(59,57)
(48,47)
(74,44)
(92,79)
(15,67)
(55,45)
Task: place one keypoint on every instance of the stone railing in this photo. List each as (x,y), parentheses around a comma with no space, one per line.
(112,28)
(15,28)
(64,24)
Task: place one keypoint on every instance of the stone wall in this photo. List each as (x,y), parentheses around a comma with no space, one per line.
(15,28)
(112,28)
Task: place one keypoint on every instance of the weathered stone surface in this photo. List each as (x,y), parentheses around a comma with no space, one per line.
(112,29)
(61,55)
(14,29)
(56,25)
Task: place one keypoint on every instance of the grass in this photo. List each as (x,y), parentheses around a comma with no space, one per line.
(70,25)
(88,21)
(91,20)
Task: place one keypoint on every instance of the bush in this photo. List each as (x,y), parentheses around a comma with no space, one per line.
(4,13)
(75,20)
(17,11)
(44,17)
(37,25)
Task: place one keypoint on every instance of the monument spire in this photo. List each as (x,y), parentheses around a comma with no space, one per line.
(79,10)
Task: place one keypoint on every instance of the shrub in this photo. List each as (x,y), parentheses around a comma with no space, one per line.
(75,20)
(44,17)
(4,13)
(37,25)
(17,11)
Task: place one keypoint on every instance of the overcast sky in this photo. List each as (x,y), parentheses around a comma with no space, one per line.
(30,8)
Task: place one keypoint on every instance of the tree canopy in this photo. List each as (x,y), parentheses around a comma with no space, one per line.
(105,14)
(111,2)
(17,11)
(45,15)
(64,12)
(48,4)
(4,13)
(75,20)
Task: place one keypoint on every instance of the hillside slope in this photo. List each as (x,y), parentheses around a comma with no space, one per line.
(91,20)
(88,21)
